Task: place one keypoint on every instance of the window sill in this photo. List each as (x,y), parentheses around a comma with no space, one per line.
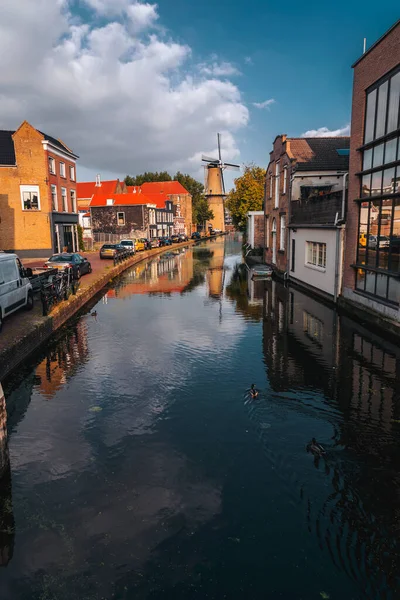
(315,267)
(379,299)
(35,210)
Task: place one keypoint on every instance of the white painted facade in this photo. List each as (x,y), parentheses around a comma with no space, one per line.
(323,279)
(251,225)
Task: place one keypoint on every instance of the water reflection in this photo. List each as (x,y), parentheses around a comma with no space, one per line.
(308,348)
(6,509)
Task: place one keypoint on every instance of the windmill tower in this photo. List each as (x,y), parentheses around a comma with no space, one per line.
(215,186)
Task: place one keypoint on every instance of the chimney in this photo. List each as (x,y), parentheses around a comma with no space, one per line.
(98,180)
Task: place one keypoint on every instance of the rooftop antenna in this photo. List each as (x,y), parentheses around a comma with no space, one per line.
(365,45)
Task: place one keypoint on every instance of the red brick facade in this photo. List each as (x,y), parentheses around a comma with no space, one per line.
(376,63)
(276,205)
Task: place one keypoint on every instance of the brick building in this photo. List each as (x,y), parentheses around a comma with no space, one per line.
(255,228)
(372,257)
(299,169)
(38,202)
(181,200)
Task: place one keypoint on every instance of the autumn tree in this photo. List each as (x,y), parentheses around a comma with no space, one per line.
(201,212)
(247,195)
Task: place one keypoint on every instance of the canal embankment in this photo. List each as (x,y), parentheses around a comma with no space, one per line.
(24,333)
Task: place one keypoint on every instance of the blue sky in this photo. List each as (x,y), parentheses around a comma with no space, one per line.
(135,86)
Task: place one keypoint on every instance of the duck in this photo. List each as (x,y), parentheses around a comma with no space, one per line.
(253,391)
(315,448)
(94,313)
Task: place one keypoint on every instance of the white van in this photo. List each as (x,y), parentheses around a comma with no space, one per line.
(15,287)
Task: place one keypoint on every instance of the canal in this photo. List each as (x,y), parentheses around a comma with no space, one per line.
(138,468)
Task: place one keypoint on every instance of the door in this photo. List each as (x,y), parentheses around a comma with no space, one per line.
(274,242)
(68,239)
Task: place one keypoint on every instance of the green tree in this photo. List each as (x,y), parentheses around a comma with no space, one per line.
(194,187)
(80,238)
(247,195)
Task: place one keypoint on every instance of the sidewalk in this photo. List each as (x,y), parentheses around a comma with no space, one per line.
(23,332)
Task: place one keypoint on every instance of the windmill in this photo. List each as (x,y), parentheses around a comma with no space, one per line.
(215,186)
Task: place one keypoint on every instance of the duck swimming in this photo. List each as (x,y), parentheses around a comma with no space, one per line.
(94,313)
(253,391)
(315,448)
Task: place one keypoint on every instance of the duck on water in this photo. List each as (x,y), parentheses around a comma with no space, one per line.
(315,448)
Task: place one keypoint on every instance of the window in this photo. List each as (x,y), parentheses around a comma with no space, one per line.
(282,233)
(277,184)
(316,254)
(284,179)
(73,200)
(267,233)
(52,165)
(109,201)
(72,173)
(30,197)
(64,199)
(271,186)
(62,169)
(54,202)
(313,328)
(293,255)
(120,218)
(382,110)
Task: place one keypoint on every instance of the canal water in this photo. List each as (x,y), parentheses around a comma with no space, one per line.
(139,469)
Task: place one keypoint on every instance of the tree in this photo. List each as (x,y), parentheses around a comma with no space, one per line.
(201,212)
(247,195)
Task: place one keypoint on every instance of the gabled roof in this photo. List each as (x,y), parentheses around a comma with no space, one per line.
(166,187)
(158,199)
(320,154)
(57,143)
(7,152)
(86,189)
(100,199)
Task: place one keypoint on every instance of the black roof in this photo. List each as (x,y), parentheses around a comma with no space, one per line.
(324,155)
(56,143)
(7,153)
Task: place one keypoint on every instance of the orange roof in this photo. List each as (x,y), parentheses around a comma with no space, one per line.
(167,187)
(120,199)
(158,199)
(131,188)
(86,189)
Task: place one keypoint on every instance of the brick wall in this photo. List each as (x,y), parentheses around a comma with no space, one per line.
(273,214)
(25,229)
(259,231)
(374,65)
(185,202)
(104,219)
(61,182)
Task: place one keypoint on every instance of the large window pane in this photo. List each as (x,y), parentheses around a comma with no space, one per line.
(384,234)
(370,282)
(381,285)
(376,184)
(362,232)
(360,279)
(390,151)
(395,239)
(394,290)
(388,181)
(394,103)
(370,118)
(378,155)
(367,160)
(366,185)
(373,233)
(396,187)
(381,112)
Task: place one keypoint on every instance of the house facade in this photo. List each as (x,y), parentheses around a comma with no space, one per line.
(255,228)
(372,256)
(38,198)
(181,200)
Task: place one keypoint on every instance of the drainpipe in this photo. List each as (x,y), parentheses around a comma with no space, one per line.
(339,223)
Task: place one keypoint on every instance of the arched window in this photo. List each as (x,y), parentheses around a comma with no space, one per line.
(282,233)
(273,225)
(267,232)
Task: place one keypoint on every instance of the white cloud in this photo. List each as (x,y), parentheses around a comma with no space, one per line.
(124,100)
(248,60)
(216,69)
(325,132)
(264,105)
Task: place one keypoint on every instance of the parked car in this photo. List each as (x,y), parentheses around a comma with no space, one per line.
(153,243)
(196,235)
(108,250)
(183,237)
(15,287)
(79,264)
(373,242)
(164,241)
(140,244)
(175,239)
(149,244)
(129,245)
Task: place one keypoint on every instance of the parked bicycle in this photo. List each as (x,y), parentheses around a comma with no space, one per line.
(59,287)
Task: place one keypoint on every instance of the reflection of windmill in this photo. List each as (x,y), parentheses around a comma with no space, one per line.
(215,186)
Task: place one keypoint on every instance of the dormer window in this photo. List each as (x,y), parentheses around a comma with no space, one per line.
(110,201)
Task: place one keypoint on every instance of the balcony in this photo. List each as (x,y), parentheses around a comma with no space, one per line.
(316,210)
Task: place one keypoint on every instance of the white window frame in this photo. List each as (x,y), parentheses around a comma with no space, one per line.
(282,232)
(52,165)
(120,212)
(267,228)
(64,199)
(62,169)
(109,202)
(284,179)
(277,184)
(316,255)
(72,195)
(271,186)
(72,172)
(53,188)
(33,189)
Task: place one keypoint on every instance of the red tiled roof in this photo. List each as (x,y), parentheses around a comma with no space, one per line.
(120,199)
(167,187)
(86,189)
(131,188)
(158,199)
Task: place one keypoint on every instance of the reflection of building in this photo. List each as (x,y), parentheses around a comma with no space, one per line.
(215,272)
(372,255)
(62,361)
(6,511)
